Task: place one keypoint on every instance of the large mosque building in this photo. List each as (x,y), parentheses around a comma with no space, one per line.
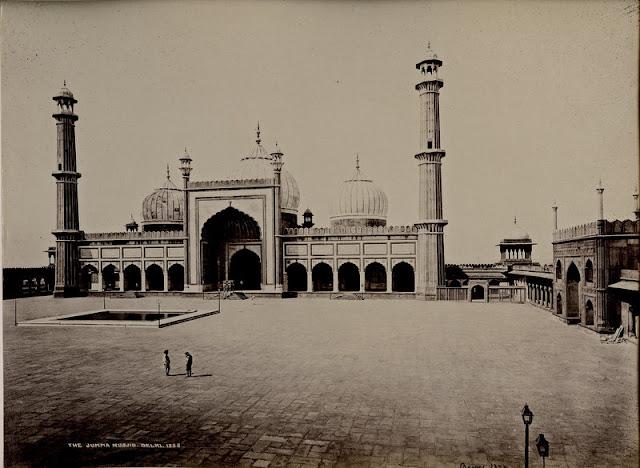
(244,228)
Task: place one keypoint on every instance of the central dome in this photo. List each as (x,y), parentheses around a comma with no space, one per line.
(257,165)
(359,203)
(162,210)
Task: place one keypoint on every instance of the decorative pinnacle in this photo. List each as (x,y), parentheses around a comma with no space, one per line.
(64,83)
(168,176)
(600,188)
(258,140)
(515,220)
(429,45)
(357,162)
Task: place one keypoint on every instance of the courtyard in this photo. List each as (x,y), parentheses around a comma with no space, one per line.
(316,382)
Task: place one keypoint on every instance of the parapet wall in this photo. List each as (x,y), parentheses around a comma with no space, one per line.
(327,231)
(135,235)
(595,228)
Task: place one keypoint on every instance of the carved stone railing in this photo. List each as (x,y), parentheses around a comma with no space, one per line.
(135,235)
(582,230)
(625,226)
(483,266)
(327,231)
(536,268)
(227,183)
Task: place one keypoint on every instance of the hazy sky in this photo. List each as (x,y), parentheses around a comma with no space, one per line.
(539,102)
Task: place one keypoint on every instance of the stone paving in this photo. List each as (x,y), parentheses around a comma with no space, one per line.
(315,382)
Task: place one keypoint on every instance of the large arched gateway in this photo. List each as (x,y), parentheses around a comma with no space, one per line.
(573,291)
(226,228)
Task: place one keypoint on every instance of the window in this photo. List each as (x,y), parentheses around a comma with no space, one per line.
(558,270)
(429,144)
(588,272)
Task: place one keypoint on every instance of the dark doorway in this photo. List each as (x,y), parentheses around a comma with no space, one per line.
(403,278)
(588,313)
(559,304)
(228,225)
(244,270)
(573,291)
(296,277)
(322,277)
(375,277)
(155,278)
(348,277)
(132,278)
(176,277)
(110,278)
(88,277)
(477,292)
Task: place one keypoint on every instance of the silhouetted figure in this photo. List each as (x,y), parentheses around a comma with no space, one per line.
(167,362)
(189,359)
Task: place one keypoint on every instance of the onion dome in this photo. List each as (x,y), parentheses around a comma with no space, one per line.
(517,233)
(258,165)
(163,209)
(359,203)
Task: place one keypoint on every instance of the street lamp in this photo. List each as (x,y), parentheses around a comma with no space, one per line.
(542,445)
(527,418)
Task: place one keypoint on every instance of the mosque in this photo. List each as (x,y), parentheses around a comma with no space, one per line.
(244,228)
(242,231)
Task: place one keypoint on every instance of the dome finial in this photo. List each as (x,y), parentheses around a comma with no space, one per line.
(258,133)
(168,176)
(429,45)
(357,162)
(64,83)
(515,220)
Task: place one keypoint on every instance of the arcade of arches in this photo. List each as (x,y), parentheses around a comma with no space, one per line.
(230,226)
(132,278)
(348,278)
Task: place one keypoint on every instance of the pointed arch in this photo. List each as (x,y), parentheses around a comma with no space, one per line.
(375,277)
(296,277)
(322,277)
(176,277)
(132,278)
(402,278)
(155,278)
(245,270)
(348,277)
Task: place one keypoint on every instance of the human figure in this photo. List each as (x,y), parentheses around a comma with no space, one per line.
(189,359)
(166,362)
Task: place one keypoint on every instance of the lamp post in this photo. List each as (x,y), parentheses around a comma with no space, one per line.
(527,418)
(542,445)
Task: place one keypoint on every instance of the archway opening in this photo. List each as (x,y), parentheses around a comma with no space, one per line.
(588,313)
(176,277)
(110,278)
(559,304)
(348,277)
(244,270)
(403,278)
(88,278)
(322,277)
(573,291)
(558,270)
(375,277)
(132,278)
(155,278)
(588,272)
(296,277)
(227,226)
(477,292)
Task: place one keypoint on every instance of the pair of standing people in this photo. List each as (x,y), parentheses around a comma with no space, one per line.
(167,362)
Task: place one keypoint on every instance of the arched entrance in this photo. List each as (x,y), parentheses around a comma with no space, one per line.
(375,277)
(322,277)
(176,277)
(88,278)
(573,291)
(477,292)
(132,278)
(296,277)
(155,278)
(227,226)
(588,313)
(110,278)
(244,270)
(403,278)
(348,277)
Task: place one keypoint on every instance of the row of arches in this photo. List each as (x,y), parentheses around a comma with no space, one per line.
(589,313)
(540,294)
(348,278)
(573,270)
(131,278)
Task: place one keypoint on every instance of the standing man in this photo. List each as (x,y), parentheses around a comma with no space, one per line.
(189,359)
(167,362)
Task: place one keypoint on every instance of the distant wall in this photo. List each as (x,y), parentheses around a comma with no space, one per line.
(25,282)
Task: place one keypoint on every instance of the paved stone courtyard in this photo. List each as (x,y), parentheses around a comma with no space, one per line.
(317,383)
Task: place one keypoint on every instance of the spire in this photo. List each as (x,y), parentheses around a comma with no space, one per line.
(168,175)
(515,220)
(357,162)
(258,140)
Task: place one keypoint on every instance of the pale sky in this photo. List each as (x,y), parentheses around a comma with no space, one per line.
(539,102)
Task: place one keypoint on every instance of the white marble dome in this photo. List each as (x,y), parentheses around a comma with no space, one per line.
(257,165)
(359,202)
(164,206)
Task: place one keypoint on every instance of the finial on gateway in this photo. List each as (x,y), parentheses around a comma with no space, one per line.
(258,133)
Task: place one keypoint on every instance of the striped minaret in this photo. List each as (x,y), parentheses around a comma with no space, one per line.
(67,230)
(430,252)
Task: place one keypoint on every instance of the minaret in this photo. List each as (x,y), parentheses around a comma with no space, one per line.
(600,190)
(277,164)
(430,253)
(185,169)
(67,230)
(555,215)
(636,204)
